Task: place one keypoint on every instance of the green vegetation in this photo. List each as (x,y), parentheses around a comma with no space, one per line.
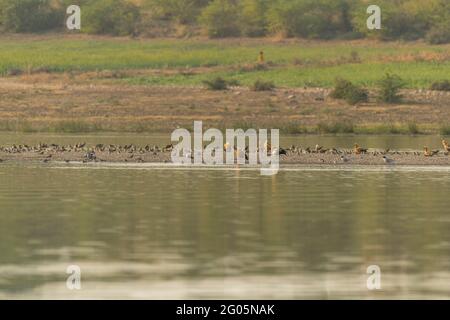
(351,93)
(290,64)
(445,130)
(389,88)
(443,85)
(86,126)
(30,15)
(312,19)
(113,17)
(216,84)
(261,85)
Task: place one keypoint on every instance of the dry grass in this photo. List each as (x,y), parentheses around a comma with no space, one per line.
(61,103)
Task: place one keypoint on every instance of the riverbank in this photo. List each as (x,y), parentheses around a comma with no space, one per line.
(81,153)
(55,103)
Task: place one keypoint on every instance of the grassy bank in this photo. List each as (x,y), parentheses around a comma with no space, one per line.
(290,128)
(190,62)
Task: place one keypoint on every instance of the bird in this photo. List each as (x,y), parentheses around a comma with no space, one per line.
(261,57)
(344,159)
(446,146)
(428,153)
(388,161)
(227,147)
(267,146)
(358,150)
(91,156)
(279,152)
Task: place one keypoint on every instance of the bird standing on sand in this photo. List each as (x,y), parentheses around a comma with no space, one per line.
(344,159)
(358,150)
(428,153)
(446,146)
(388,161)
(267,146)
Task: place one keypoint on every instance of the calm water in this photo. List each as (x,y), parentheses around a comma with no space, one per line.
(147,232)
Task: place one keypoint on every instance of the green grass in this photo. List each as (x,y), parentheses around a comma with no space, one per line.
(293,64)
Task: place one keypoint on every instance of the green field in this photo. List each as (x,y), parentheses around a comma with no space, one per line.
(291,63)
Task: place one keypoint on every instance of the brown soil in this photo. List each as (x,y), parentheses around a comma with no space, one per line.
(45,99)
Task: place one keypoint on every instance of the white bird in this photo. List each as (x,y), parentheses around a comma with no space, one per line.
(344,159)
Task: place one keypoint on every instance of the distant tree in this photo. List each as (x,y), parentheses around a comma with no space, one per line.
(181,11)
(29,15)
(401,19)
(439,32)
(114,17)
(254,17)
(221,19)
(309,18)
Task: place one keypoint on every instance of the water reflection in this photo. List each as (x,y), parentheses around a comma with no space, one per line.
(149,232)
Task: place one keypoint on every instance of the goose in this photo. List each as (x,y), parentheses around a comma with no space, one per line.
(428,153)
(358,150)
(446,146)
(267,146)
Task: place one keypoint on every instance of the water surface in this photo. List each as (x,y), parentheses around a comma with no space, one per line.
(149,232)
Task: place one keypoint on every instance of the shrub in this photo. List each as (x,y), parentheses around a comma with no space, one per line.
(445,129)
(336,127)
(220,83)
(29,15)
(440,24)
(253,17)
(309,18)
(438,35)
(182,11)
(114,17)
(351,93)
(400,20)
(441,85)
(221,19)
(413,128)
(389,88)
(261,85)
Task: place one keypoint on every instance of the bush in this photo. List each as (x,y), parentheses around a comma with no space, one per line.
(221,19)
(253,17)
(182,11)
(30,15)
(114,17)
(440,85)
(335,127)
(439,35)
(260,85)
(389,88)
(220,83)
(309,18)
(406,20)
(351,93)
(440,24)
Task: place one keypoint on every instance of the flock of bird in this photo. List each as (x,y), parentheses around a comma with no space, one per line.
(90,153)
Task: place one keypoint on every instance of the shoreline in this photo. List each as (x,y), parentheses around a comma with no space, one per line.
(154,154)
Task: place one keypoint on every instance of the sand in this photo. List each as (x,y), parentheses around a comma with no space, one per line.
(153,154)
